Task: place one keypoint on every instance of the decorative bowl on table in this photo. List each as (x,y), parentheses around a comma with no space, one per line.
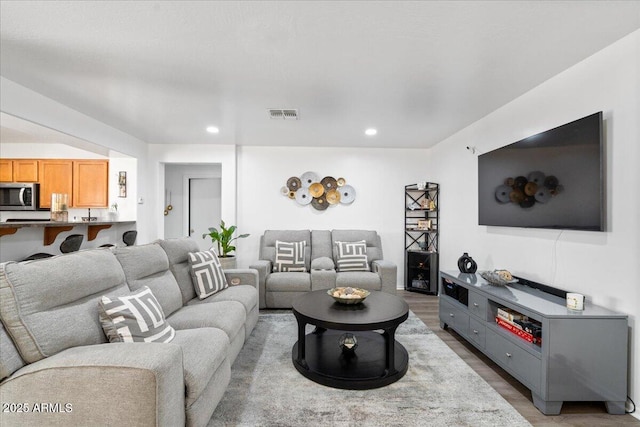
(348,295)
(498,277)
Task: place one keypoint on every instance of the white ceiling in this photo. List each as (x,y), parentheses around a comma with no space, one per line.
(417,71)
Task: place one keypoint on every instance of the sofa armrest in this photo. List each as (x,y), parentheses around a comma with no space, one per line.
(323,274)
(264,269)
(107,384)
(388,272)
(242,276)
(323,263)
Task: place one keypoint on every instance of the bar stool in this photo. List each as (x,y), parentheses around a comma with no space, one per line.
(129,237)
(71,244)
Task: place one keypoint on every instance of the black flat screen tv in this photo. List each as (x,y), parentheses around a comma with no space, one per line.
(553,179)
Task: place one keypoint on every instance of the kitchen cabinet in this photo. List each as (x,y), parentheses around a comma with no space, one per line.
(90,183)
(18,170)
(56,176)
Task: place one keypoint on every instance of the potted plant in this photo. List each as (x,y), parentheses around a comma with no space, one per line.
(223,238)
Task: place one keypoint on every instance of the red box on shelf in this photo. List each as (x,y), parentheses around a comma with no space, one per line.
(516,331)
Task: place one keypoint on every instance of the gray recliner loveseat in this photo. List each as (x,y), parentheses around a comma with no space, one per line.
(54,351)
(279,289)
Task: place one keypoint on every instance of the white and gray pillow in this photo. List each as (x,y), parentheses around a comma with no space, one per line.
(206,273)
(290,256)
(352,256)
(136,317)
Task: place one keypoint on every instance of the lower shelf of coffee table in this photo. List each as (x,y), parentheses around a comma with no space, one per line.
(363,369)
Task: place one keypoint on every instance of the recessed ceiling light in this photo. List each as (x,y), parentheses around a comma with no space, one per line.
(213,129)
(370,132)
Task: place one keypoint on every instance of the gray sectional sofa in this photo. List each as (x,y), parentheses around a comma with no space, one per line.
(279,289)
(54,351)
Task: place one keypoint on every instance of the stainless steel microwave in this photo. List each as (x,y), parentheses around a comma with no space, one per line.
(16,196)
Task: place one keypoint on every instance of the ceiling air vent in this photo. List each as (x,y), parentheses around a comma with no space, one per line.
(279,113)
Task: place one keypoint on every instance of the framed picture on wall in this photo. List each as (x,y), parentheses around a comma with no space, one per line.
(122,184)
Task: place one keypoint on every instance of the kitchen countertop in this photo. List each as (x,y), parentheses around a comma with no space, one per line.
(20,224)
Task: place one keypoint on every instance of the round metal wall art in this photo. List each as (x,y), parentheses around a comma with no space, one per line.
(320,193)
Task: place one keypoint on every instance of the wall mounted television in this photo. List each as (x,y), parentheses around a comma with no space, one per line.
(553,179)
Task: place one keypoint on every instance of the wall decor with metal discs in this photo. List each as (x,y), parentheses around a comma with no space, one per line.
(526,191)
(309,189)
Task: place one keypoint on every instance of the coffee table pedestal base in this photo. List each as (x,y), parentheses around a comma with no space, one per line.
(365,368)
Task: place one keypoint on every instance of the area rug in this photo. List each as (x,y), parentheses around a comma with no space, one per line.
(439,389)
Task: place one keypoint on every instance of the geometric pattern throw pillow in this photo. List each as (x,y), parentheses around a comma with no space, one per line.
(290,256)
(136,317)
(206,273)
(352,256)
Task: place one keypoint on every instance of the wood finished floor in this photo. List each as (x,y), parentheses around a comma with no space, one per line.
(573,413)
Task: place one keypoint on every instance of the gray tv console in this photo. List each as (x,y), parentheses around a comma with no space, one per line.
(583,355)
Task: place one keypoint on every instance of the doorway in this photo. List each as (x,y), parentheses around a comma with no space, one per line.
(192,201)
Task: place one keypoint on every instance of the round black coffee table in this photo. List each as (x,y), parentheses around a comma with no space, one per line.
(378,359)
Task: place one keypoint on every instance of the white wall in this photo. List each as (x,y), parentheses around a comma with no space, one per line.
(377,175)
(603,266)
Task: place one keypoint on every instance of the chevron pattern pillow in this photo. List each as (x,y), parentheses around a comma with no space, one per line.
(206,273)
(352,256)
(136,317)
(290,256)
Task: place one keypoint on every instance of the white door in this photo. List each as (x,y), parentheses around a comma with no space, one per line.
(204,208)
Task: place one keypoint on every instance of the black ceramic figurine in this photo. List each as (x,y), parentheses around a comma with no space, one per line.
(466,264)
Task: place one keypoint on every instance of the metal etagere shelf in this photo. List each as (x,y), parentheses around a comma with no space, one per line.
(421,237)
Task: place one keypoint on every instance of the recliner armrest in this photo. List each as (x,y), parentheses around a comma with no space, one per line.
(242,276)
(264,269)
(105,384)
(388,272)
(323,263)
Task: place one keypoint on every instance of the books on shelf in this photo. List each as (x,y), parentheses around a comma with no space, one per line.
(520,325)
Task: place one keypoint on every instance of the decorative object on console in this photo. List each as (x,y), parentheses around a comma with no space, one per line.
(320,193)
(466,264)
(575,301)
(498,277)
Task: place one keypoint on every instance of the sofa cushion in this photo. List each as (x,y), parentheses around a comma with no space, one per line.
(203,351)
(290,256)
(268,243)
(226,315)
(283,282)
(359,279)
(351,256)
(51,304)
(148,265)
(206,273)
(247,295)
(136,317)
(10,360)
(177,251)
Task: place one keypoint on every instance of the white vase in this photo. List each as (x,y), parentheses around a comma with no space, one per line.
(227,262)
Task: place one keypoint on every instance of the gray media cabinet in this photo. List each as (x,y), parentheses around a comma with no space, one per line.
(583,354)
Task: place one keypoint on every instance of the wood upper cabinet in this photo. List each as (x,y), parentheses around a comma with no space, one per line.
(90,183)
(25,170)
(6,170)
(18,170)
(56,176)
